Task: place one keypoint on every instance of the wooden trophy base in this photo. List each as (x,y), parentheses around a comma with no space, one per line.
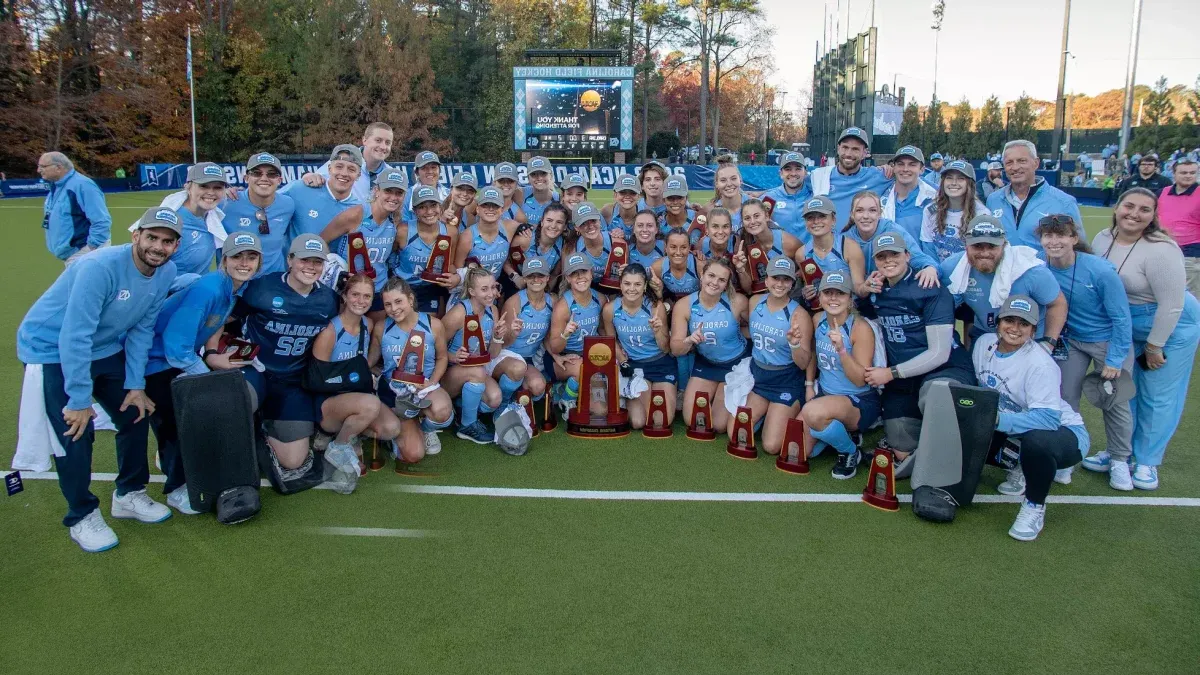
(664,432)
(479,360)
(609,284)
(608,426)
(658,406)
(787,462)
(759,286)
(741,451)
(413,470)
(701,435)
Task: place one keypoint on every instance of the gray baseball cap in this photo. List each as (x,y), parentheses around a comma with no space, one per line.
(574,180)
(424,194)
(160,216)
(392,178)
(1189,158)
(676,186)
(574,263)
(627,183)
(309,246)
(206,173)
(936,155)
(837,281)
(490,195)
(584,212)
(426,157)
(819,204)
(1020,306)
(505,170)
(985,229)
(347,149)
(997,166)
(260,158)
(1108,394)
(537,164)
(910,151)
(654,162)
(961,167)
(888,241)
(465,179)
(241,241)
(535,266)
(855,132)
(781,266)
(792,158)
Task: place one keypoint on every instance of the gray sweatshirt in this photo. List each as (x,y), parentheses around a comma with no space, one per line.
(1152,271)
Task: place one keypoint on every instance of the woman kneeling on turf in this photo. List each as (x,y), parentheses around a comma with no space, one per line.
(388,340)
(639,320)
(1049,435)
(576,316)
(532,307)
(840,401)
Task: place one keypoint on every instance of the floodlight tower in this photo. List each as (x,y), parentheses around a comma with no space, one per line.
(939,12)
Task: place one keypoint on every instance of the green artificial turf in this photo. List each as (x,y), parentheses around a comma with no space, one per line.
(585,586)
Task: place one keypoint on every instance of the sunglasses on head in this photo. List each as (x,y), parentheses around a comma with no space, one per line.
(1055,220)
(263,223)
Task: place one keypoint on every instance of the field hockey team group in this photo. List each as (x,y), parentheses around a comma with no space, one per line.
(840,290)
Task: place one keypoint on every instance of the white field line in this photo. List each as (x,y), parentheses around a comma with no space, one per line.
(375,532)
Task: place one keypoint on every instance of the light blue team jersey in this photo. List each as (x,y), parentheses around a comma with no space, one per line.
(197,249)
(551,254)
(409,262)
(687,282)
(535,324)
(598,262)
(658,210)
(735,213)
(242,216)
(832,376)
(315,207)
(188,319)
(491,255)
(834,261)
(789,210)
(919,259)
(409,216)
(395,339)
(842,189)
(664,228)
(723,339)
(634,332)
(646,259)
(706,248)
(1037,282)
(618,222)
(588,318)
(379,239)
(348,346)
(533,208)
(768,331)
(487,320)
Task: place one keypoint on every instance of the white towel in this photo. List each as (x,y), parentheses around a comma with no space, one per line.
(925,194)
(1016,261)
(818,179)
(633,386)
(36,440)
(212,220)
(738,385)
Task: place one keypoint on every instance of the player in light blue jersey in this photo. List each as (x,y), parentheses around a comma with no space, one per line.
(865,224)
(460,204)
(204,189)
(639,321)
(708,325)
(531,308)
(905,201)
(791,195)
(574,191)
(943,222)
(540,191)
(847,177)
(505,177)
(826,248)
(415,244)
(728,193)
(263,211)
(620,214)
(319,207)
(839,400)
(576,316)
(652,178)
(677,273)
(646,248)
(676,213)
(757,228)
(718,241)
(782,335)
(545,241)
(594,243)
(378,230)
(487,241)
(427,168)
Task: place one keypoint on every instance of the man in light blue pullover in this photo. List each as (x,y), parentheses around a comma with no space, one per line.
(75,219)
(89,336)
(1028,198)
(790,196)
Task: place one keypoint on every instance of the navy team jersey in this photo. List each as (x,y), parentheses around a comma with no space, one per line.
(284,323)
(903,312)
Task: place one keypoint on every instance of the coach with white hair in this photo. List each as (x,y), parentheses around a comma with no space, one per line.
(1027,198)
(76,218)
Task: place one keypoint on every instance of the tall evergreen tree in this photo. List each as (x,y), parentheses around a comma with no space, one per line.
(989,136)
(1022,121)
(910,126)
(959,143)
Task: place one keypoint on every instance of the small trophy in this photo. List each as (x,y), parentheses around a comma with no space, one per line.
(792,458)
(238,347)
(769,207)
(377,461)
(517,257)
(701,428)
(756,259)
(656,417)
(598,378)
(549,421)
(357,259)
(741,441)
(474,341)
(696,230)
(881,482)
(439,259)
(409,365)
(810,274)
(525,400)
(617,259)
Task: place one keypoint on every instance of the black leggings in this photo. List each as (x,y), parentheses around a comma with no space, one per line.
(158,388)
(1043,453)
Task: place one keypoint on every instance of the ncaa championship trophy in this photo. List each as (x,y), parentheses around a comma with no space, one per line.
(474,342)
(792,458)
(358,262)
(810,274)
(741,441)
(517,257)
(617,259)
(238,347)
(410,363)
(700,428)
(439,259)
(599,379)
(756,260)
(881,482)
(656,417)
(697,230)
(769,207)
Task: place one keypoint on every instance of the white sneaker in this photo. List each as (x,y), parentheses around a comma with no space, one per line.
(179,500)
(433,444)
(1014,485)
(140,506)
(1029,522)
(1145,477)
(1098,462)
(1063,476)
(1119,478)
(93,534)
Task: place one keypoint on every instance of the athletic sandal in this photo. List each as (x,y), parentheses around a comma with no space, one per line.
(1029,522)
(139,506)
(1014,485)
(93,534)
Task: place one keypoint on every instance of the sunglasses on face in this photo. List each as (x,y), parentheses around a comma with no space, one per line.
(259,173)
(263,223)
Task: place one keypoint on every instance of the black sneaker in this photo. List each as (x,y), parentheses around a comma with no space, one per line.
(847,465)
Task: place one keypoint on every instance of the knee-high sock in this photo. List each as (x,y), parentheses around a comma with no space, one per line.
(836,436)
(429,425)
(507,387)
(485,408)
(472,396)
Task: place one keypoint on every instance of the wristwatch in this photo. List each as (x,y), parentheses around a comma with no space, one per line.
(895,373)
(207,353)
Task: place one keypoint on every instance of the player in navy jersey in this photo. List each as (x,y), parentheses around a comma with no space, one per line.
(505,178)
(487,241)
(918,332)
(729,195)
(547,241)
(531,308)
(415,248)
(378,229)
(676,212)
(758,228)
(676,273)
(283,314)
(576,316)
(594,243)
(638,318)
(345,416)
(645,247)
(782,335)
(620,214)
(540,192)
(204,190)
(718,241)
(838,399)
(652,178)
(460,203)
(708,325)
(264,212)
(318,207)
(388,340)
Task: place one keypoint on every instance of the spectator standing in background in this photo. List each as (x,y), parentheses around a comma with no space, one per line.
(1179,212)
(76,217)
(994,181)
(1147,176)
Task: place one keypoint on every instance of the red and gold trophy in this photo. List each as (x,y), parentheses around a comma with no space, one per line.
(439,259)
(357,260)
(792,457)
(769,207)
(377,462)
(741,441)
(701,426)
(410,365)
(238,347)
(656,418)
(517,257)
(881,482)
(697,229)
(599,378)
(617,259)
(810,274)
(756,261)
(525,400)
(474,342)
(549,421)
